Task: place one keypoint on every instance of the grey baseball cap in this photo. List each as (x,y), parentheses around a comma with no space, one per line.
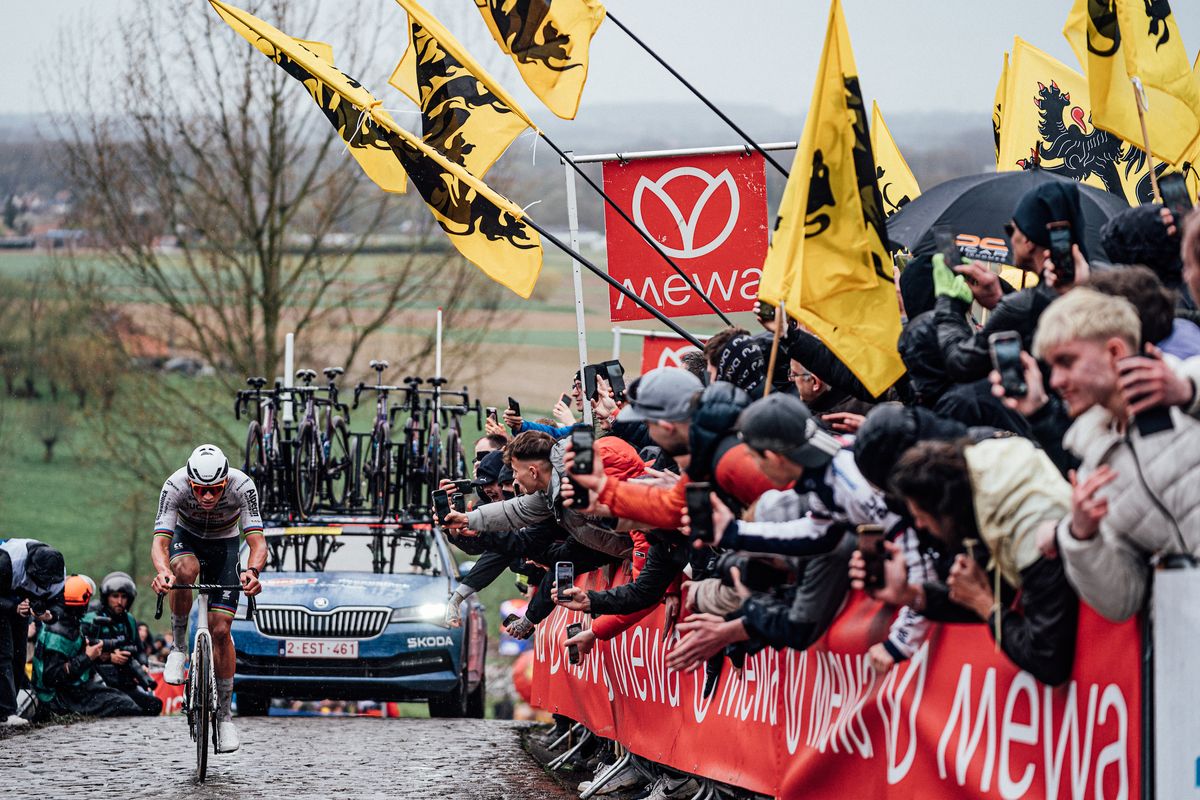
(783,424)
(664,394)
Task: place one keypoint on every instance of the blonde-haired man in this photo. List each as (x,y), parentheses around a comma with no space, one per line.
(1135,495)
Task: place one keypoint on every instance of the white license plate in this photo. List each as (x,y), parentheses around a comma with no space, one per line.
(319,648)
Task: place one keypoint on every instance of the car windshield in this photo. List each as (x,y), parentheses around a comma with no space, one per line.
(405,552)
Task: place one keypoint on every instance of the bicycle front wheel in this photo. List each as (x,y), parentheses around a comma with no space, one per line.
(202,700)
(339,469)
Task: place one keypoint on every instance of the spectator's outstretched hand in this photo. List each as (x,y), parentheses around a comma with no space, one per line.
(969,586)
(513,421)
(455,520)
(593,480)
(881,660)
(843,421)
(1083,272)
(895,576)
(671,606)
(562,413)
(572,597)
(493,428)
(985,284)
(948,283)
(585,640)
(704,635)
(1086,508)
(1035,393)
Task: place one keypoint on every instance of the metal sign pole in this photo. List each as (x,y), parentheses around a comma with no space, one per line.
(289,369)
(577,277)
(616,342)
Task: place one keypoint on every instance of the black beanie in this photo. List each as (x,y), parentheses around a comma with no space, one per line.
(1138,236)
(741,363)
(889,430)
(1050,202)
(44,565)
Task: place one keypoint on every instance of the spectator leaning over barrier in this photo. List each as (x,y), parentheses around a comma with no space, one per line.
(63,676)
(993,506)
(1136,494)
(31,579)
(792,449)
(965,350)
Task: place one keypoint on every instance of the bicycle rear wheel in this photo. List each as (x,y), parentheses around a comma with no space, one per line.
(307,469)
(200,679)
(379,480)
(255,464)
(456,460)
(339,467)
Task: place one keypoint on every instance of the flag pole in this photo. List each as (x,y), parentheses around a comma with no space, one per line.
(613,282)
(644,234)
(1143,105)
(780,321)
(701,97)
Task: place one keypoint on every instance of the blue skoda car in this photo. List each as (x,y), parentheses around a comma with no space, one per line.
(357,613)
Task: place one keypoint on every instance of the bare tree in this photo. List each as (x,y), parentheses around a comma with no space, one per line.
(214,183)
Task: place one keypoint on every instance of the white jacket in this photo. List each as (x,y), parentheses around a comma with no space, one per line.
(1153,504)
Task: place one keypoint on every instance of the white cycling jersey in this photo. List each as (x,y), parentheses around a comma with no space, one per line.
(178,507)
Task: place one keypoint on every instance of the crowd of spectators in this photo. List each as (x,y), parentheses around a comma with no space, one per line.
(68,647)
(1001,501)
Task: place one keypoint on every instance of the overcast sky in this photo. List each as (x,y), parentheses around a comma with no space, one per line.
(917,55)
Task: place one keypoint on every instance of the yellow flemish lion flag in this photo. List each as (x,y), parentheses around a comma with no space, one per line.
(548,40)
(486,228)
(829,256)
(465,114)
(364,139)
(1047,121)
(897,186)
(1116,40)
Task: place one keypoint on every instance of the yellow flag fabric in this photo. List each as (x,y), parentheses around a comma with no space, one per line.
(548,40)
(1116,40)
(998,106)
(486,228)
(465,114)
(829,257)
(363,138)
(897,186)
(1047,120)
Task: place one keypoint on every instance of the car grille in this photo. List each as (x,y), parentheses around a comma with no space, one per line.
(341,623)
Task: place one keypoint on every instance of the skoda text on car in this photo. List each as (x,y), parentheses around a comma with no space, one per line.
(357,613)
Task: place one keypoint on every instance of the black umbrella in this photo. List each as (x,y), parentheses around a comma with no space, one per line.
(976,208)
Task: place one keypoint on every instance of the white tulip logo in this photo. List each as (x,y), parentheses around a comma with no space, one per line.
(687,227)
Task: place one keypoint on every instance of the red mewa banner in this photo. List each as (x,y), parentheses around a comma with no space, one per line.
(663,351)
(707,212)
(958,720)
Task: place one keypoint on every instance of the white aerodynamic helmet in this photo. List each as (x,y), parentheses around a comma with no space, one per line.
(207,466)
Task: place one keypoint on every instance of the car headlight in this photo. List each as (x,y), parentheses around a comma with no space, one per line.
(427,612)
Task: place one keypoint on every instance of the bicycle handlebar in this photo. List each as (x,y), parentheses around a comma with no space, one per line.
(250,604)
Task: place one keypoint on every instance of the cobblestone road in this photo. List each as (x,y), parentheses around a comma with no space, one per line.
(281,758)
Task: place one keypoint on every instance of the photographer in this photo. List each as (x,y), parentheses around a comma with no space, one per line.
(63,676)
(31,578)
(122,663)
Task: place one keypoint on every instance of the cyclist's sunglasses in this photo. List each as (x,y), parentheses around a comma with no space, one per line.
(215,489)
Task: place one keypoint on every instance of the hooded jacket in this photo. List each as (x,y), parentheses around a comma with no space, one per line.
(29,569)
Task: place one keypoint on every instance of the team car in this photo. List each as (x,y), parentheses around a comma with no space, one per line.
(357,613)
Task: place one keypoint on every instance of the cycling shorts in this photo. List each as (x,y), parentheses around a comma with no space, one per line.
(218,564)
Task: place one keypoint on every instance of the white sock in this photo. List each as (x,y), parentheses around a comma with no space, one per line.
(179,626)
(224,699)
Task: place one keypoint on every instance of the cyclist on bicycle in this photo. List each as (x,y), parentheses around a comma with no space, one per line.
(196,541)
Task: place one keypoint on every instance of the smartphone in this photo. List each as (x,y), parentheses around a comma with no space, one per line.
(583,497)
(509,620)
(582,441)
(1152,420)
(616,378)
(1005,347)
(459,502)
(492,415)
(565,400)
(590,390)
(1173,189)
(573,630)
(946,241)
(514,406)
(564,575)
(766,311)
(870,545)
(1060,251)
(464,486)
(441,504)
(699,508)
(523,588)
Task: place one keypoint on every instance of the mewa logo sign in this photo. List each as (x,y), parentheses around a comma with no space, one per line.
(707,212)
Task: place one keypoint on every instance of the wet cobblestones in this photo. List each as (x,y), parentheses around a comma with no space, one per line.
(281,758)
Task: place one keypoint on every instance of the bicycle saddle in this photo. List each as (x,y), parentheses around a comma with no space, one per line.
(306,375)
(332,372)
(438,381)
(256,383)
(379,366)
(410,381)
